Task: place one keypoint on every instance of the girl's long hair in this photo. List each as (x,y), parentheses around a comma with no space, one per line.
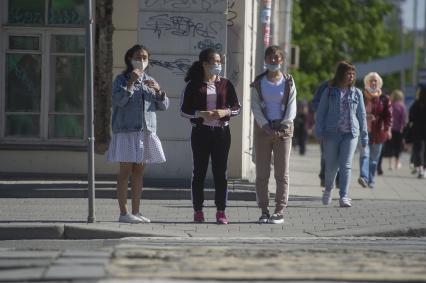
(196,71)
(422,95)
(339,76)
(129,55)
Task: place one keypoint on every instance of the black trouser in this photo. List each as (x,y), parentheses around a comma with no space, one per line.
(205,142)
(419,152)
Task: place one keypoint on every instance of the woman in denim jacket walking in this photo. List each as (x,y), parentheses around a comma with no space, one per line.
(135,98)
(341,119)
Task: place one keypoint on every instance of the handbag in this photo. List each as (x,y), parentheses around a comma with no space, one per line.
(408,133)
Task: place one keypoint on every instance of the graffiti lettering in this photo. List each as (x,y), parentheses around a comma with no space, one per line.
(181,26)
(207,43)
(204,5)
(178,66)
(232,14)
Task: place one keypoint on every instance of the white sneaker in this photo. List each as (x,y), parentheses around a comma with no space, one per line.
(143,218)
(129,218)
(276,218)
(345,202)
(326,197)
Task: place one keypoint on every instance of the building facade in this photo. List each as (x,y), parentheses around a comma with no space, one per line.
(42,78)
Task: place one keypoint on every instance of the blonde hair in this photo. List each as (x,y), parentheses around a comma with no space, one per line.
(370,75)
(397,95)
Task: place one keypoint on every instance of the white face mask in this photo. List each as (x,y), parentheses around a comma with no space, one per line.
(141,65)
(215,69)
(273,67)
(372,90)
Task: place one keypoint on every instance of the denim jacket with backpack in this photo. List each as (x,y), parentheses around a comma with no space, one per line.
(328,114)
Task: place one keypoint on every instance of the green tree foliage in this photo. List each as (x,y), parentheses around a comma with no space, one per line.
(329,31)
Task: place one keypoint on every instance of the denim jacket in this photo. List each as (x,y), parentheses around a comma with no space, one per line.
(135,110)
(328,114)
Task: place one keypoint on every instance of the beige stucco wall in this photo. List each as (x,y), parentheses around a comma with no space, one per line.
(173,130)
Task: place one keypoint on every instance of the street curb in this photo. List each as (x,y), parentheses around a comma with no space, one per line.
(31,231)
(391,231)
(110,193)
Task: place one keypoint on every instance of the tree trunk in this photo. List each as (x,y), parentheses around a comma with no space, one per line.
(103,74)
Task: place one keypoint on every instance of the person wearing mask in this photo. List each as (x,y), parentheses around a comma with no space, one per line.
(135,98)
(274,108)
(340,123)
(209,101)
(379,123)
(417,118)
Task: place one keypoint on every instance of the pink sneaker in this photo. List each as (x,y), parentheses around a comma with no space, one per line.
(198,216)
(221,217)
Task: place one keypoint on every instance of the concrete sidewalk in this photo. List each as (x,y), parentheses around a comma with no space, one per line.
(395,207)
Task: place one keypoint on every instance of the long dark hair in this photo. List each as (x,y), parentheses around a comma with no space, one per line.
(422,95)
(196,71)
(129,55)
(339,76)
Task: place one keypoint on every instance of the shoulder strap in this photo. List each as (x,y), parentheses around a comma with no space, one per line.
(287,87)
(256,84)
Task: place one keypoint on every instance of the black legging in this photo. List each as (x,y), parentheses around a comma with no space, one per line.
(205,142)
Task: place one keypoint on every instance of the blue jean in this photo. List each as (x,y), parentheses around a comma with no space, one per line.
(368,160)
(339,151)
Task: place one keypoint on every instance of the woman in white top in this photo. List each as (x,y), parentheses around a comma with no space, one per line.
(274,109)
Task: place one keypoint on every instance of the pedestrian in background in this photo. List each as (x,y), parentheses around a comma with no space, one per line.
(340,123)
(379,123)
(209,101)
(315,103)
(135,98)
(417,116)
(301,126)
(394,146)
(274,109)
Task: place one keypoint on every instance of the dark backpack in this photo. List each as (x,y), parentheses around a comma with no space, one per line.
(317,96)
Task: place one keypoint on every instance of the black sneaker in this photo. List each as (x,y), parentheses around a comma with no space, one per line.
(264,218)
(276,218)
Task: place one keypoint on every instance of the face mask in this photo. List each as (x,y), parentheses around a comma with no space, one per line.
(141,65)
(371,90)
(273,68)
(216,69)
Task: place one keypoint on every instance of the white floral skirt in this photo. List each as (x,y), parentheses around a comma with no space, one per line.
(135,147)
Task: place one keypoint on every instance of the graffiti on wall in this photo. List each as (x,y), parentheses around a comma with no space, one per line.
(178,25)
(199,5)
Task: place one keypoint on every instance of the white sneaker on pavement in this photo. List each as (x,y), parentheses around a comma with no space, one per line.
(143,218)
(129,218)
(345,202)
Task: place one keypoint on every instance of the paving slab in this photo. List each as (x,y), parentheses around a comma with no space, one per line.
(74,272)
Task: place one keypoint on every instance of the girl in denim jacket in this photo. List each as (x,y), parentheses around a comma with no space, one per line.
(340,120)
(135,98)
